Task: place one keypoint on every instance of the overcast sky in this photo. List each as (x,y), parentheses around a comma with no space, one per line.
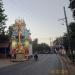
(41,16)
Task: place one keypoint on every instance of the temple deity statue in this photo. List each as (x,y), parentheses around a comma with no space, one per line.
(21,46)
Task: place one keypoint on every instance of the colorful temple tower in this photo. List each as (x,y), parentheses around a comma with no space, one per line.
(21,43)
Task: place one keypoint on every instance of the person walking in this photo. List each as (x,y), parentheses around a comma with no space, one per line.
(36,56)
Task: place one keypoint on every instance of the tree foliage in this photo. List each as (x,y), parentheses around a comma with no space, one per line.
(3,18)
(10,30)
(65,40)
(72,7)
(40,48)
(72,34)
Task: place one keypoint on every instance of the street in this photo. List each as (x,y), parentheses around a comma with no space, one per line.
(48,64)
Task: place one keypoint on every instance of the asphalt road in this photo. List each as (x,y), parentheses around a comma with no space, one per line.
(48,64)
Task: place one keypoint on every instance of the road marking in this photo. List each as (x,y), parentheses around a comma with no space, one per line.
(59,71)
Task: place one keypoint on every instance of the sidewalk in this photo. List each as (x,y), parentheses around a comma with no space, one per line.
(69,64)
(5,62)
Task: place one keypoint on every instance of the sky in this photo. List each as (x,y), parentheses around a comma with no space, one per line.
(41,17)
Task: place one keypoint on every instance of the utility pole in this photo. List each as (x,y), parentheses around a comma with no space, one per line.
(68,35)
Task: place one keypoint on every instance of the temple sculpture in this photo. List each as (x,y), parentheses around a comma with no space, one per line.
(21,43)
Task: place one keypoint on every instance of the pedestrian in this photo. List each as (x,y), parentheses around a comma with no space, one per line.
(36,56)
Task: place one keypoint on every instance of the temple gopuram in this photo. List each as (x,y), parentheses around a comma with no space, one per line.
(21,43)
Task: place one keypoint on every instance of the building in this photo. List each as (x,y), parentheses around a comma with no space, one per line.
(4,49)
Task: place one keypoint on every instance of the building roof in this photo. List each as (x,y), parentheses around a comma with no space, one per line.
(5,44)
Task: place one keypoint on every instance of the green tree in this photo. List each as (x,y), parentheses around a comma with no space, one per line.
(58,41)
(65,41)
(10,30)
(35,45)
(41,48)
(3,18)
(72,37)
(72,7)
(72,34)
